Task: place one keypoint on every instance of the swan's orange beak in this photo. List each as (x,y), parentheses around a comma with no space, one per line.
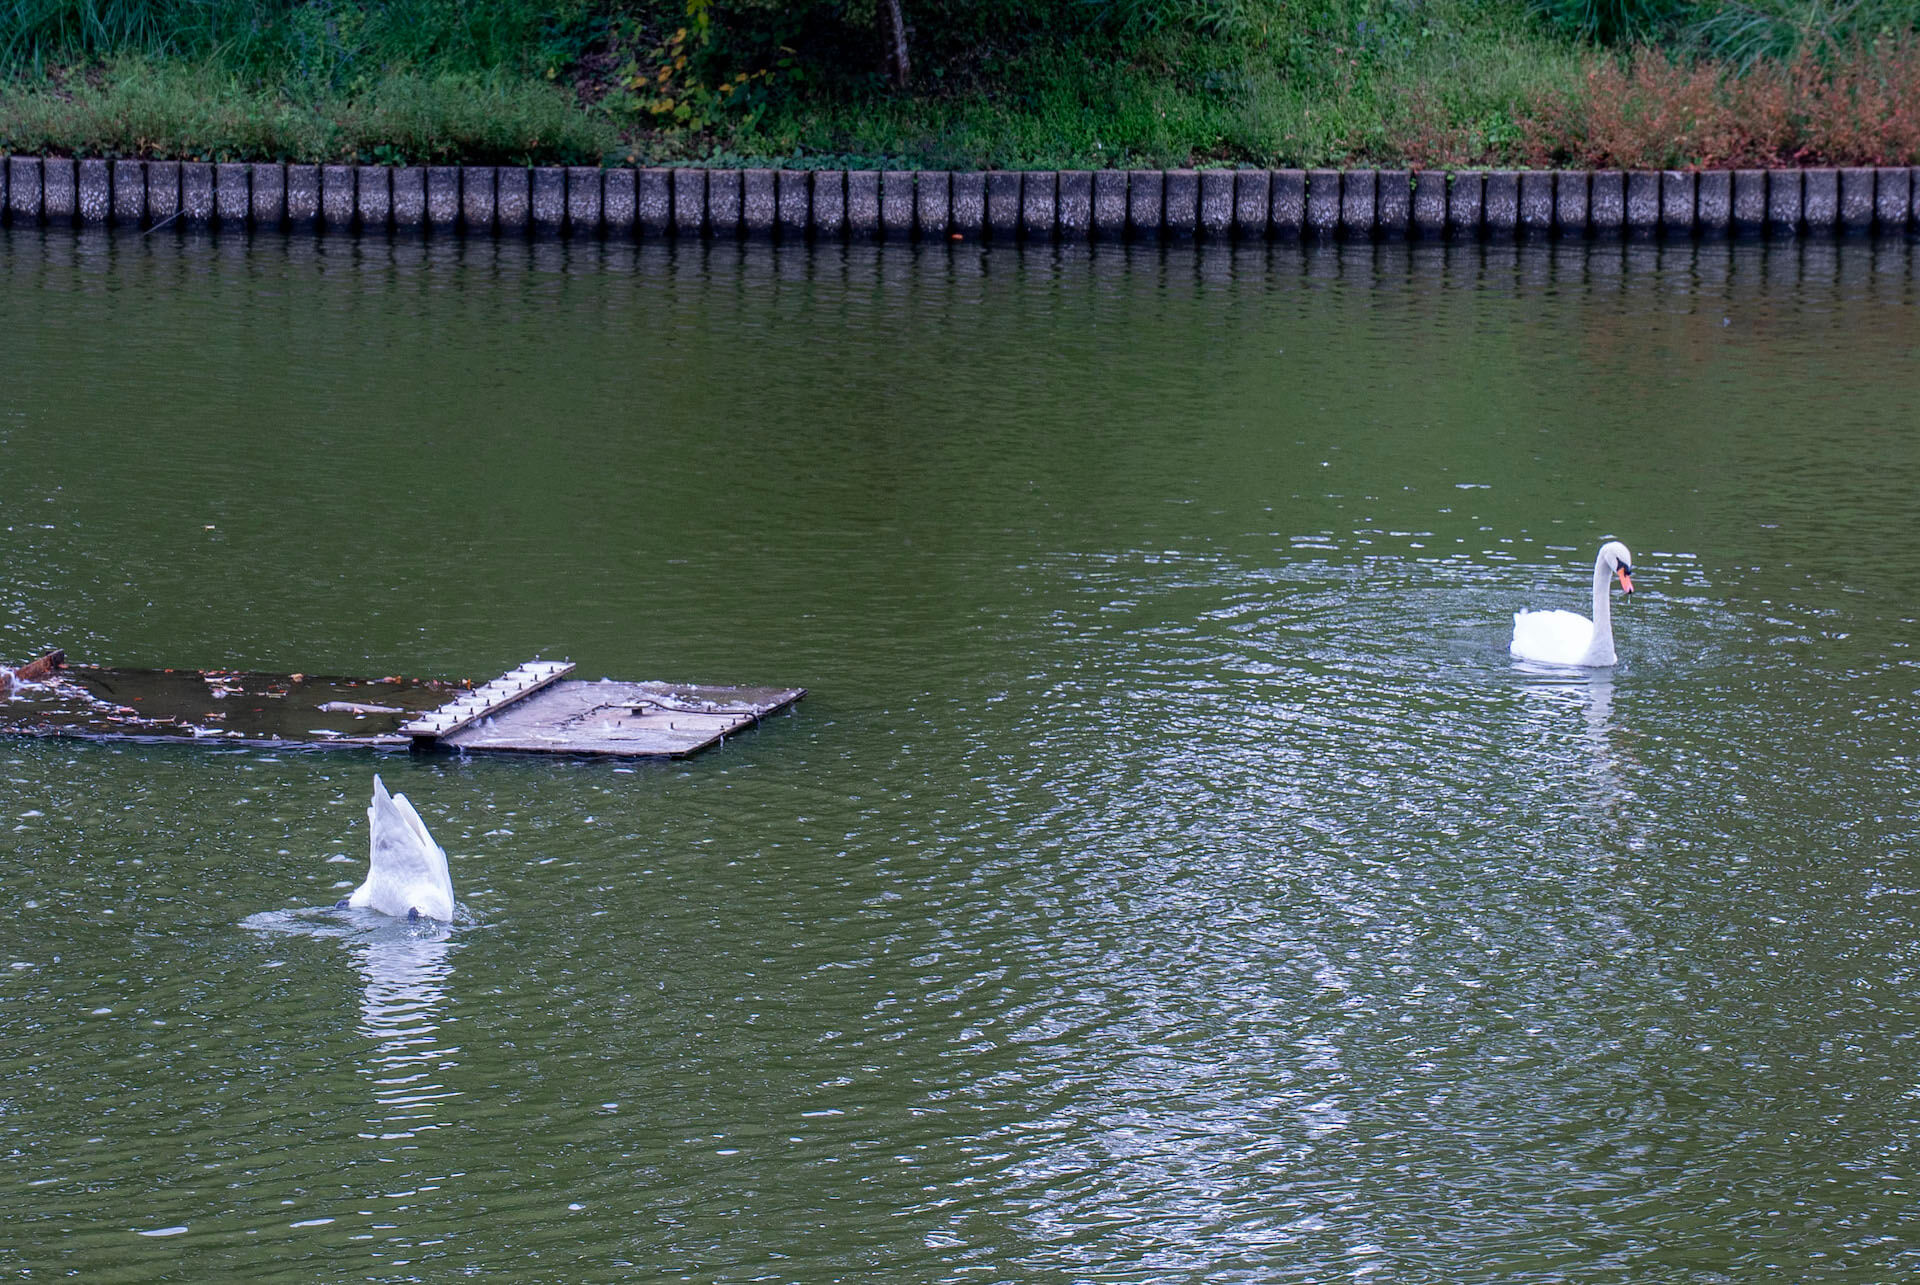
(1626,579)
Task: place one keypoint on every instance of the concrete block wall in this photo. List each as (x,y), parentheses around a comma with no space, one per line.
(1002,206)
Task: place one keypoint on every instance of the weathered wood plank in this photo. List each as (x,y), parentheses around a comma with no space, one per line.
(535,713)
(624,720)
(472,706)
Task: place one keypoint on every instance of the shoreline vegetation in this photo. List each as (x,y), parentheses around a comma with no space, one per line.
(986,84)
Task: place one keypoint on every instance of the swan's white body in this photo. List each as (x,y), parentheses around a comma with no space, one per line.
(1566,638)
(407,872)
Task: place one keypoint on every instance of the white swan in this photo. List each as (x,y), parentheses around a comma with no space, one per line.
(1567,638)
(407,872)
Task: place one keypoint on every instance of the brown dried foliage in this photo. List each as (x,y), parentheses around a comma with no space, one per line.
(1855,106)
(1428,136)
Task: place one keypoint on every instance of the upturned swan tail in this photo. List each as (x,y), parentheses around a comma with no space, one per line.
(406,870)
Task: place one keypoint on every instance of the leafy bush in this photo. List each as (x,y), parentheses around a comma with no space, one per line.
(1860,106)
(1610,21)
(1745,32)
(1748,32)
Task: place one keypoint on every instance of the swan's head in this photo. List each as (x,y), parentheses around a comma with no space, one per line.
(1618,559)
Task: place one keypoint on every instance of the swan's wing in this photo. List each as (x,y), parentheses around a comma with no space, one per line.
(1554,637)
(406,869)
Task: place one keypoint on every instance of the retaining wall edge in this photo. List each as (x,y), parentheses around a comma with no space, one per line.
(788,205)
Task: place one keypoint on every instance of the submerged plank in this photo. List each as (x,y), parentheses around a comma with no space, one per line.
(221,706)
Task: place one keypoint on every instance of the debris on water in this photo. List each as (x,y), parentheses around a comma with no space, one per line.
(38,671)
(33,673)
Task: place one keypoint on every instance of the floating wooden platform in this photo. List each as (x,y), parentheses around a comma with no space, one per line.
(532,709)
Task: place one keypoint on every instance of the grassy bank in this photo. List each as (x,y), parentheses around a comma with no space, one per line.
(1051,83)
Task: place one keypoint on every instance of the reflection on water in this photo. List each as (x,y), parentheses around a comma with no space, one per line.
(1551,701)
(404,969)
(402,1010)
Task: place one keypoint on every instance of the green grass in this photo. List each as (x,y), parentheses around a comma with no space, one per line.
(322,80)
(301,44)
(134,107)
(998,83)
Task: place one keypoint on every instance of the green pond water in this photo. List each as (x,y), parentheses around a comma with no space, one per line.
(1169,876)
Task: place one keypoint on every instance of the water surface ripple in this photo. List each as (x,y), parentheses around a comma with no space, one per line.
(1169,877)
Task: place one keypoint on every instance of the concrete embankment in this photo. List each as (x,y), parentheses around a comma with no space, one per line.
(1000,205)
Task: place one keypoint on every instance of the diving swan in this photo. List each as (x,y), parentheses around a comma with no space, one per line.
(1566,638)
(407,872)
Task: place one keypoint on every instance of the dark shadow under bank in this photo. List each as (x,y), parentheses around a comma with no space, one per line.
(1001,206)
(1682,274)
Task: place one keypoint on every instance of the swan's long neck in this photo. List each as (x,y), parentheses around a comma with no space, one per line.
(1600,651)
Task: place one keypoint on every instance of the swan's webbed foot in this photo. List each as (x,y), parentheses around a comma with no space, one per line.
(340,904)
(413,914)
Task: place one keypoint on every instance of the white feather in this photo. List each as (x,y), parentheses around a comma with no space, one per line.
(1565,638)
(406,870)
